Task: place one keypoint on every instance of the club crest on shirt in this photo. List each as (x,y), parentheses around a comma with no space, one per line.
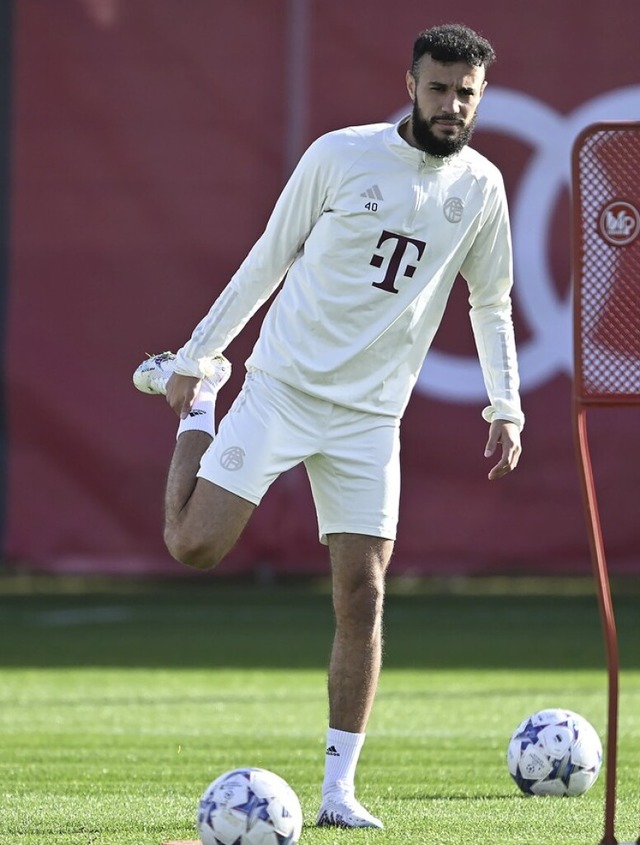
(453,209)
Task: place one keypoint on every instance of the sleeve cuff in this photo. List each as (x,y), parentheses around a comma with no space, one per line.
(491,413)
(184,366)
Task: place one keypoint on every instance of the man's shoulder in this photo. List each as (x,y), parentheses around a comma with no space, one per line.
(354,136)
(365,130)
(479,165)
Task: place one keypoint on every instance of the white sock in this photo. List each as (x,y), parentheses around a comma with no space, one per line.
(202,414)
(343,751)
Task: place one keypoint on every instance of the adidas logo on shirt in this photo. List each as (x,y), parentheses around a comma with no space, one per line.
(332,751)
(373,193)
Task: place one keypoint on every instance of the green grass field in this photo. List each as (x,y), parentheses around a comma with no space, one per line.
(120,703)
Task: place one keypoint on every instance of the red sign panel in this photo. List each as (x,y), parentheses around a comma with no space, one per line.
(150,141)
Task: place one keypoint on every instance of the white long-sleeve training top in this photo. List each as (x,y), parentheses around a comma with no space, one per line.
(369,235)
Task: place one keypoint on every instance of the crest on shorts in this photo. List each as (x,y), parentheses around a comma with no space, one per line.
(232,458)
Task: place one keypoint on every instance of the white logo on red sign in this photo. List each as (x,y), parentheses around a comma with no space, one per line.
(619,223)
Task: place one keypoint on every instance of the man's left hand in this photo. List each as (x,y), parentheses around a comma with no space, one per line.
(507,435)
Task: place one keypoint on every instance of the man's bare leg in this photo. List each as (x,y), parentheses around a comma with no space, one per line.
(202,520)
(359,564)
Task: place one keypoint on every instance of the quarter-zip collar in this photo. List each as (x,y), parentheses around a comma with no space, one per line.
(412,155)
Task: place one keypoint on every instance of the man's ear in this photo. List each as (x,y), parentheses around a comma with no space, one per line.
(411,85)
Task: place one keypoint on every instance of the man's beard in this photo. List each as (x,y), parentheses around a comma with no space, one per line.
(431,143)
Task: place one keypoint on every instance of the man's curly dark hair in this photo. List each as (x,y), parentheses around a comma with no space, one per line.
(453,42)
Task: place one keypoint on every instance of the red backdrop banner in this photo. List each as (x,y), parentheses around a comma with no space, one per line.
(150,141)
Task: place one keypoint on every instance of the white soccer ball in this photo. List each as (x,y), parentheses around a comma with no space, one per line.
(555,752)
(249,807)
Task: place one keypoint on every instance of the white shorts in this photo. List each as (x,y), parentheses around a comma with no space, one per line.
(352,458)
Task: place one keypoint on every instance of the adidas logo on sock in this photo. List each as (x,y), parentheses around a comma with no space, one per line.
(332,751)
(197,413)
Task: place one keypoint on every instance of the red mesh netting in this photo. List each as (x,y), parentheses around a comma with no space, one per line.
(606,183)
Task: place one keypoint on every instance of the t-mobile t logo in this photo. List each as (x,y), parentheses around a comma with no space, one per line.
(393,267)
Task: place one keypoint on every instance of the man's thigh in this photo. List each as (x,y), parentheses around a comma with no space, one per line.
(356,558)
(214,519)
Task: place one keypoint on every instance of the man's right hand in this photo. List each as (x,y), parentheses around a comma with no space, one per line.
(181,393)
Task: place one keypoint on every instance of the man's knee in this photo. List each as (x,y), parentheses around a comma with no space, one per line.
(367,596)
(204,532)
(359,567)
(192,551)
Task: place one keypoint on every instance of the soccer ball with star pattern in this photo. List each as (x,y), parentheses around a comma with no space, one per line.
(249,806)
(555,752)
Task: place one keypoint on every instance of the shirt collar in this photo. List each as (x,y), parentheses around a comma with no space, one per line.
(419,158)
